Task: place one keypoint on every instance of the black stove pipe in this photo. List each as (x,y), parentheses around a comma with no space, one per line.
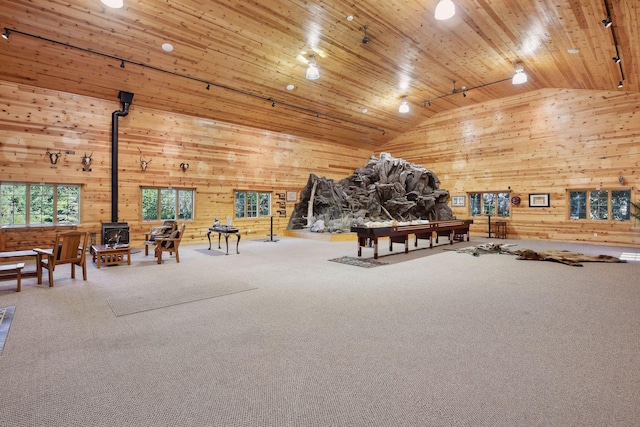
(125,98)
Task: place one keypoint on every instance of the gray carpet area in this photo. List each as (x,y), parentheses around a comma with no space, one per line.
(444,339)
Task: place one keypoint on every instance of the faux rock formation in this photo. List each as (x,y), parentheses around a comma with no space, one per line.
(385,189)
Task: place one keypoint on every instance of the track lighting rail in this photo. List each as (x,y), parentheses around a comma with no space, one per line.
(455,91)
(607,22)
(123,61)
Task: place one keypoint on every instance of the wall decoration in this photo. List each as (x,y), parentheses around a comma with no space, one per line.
(280,196)
(539,200)
(282,205)
(458,200)
(515,200)
(292,196)
(282,212)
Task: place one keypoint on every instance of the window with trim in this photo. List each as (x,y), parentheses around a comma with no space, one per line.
(490,203)
(252,204)
(167,203)
(600,205)
(39,204)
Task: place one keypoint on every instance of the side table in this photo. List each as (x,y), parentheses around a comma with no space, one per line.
(109,255)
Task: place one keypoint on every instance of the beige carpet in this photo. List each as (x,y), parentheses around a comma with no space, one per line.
(167,295)
(446,339)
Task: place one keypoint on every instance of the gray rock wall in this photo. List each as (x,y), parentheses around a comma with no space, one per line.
(386,188)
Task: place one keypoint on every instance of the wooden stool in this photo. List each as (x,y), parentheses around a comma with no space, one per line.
(501,229)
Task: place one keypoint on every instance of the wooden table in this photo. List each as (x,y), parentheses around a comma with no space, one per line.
(226,230)
(400,233)
(109,255)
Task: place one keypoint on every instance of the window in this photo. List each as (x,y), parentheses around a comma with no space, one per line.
(252,204)
(489,203)
(167,203)
(600,205)
(39,204)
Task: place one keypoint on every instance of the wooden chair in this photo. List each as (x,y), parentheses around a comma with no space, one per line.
(169,244)
(70,248)
(167,227)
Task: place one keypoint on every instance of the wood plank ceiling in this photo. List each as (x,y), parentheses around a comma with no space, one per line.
(249,51)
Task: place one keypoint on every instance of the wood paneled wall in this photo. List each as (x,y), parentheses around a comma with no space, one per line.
(222,158)
(546,141)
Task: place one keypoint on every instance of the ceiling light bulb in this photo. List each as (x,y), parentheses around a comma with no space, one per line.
(620,85)
(404,106)
(520,76)
(445,10)
(5,35)
(115,4)
(312,71)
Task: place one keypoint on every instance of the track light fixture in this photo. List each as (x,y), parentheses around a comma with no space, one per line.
(122,64)
(366,38)
(606,22)
(620,84)
(520,76)
(208,86)
(445,10)
(312,70)
(5,35)
(616,59)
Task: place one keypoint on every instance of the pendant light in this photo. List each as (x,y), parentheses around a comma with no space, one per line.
(312,71)
(115,4)
(404,106)
(445,10)
(520,76)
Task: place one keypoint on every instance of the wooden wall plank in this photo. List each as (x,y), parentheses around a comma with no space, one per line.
(547,141)
(222,157)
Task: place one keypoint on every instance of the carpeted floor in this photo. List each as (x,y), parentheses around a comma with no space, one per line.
(436,338)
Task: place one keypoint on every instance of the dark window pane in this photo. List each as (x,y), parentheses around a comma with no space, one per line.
(599,204)
(620,205)
(578,205)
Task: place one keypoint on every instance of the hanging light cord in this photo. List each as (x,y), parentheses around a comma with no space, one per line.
(122,61)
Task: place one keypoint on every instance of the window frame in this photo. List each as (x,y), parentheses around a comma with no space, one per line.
(499,203)
(31,211)
(263,200)
(177,198)
(612,212)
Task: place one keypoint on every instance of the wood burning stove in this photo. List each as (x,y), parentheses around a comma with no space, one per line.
(115,233)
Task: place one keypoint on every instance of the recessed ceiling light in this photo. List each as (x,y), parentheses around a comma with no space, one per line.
(167,47)
(364,110)
(290,87)
(349,18)
(573,50)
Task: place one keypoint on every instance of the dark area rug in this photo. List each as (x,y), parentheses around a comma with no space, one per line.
(358,262)
(211,252)
(6,316)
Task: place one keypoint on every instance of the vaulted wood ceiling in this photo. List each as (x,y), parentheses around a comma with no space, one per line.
(249,51)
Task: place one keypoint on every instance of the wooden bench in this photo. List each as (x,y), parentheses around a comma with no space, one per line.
(13,269)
